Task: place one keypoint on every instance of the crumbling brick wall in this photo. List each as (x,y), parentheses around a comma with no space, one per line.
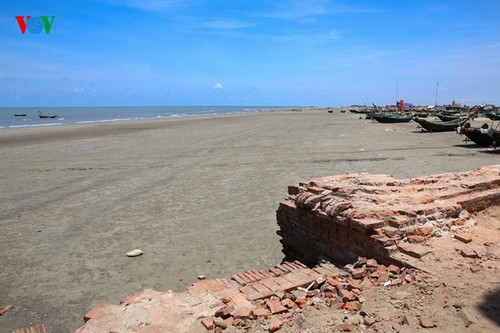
(346,216)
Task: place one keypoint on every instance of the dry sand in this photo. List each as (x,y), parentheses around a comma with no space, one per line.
(197,195)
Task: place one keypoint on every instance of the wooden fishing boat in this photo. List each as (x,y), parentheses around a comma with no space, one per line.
(362,111)
(392,117)
(479,136)
(448,117)
(42,115)
(493,115)
(445,126)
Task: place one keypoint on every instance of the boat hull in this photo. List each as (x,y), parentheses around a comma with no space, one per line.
(432,126)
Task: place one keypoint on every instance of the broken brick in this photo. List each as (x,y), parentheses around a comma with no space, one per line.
(275,306)
(464,237)
(208,323)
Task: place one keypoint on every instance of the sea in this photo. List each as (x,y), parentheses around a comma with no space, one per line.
(29,117)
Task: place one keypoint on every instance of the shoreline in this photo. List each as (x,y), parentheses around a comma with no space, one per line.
(198,195)
(60,121)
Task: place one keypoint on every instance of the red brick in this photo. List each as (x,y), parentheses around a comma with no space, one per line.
(38,328)
(260,312)
(301,302)
(225,293)
(225,311)
(358,273)
(242,312)
(416,239)
(468,252)
(250,277)
(264,273)
(298,263)
(211,285)
(383,277)
(271,284)
(315,189)
(284,283)
(276,271)
(238,279)
(262,289)
(239,300)
(464,237)
(275,306)
(293,189)
(289,266)
(393,269)
(352,306)
(5,308)
(283,268)
(322,271)
(208,323)
(250,293)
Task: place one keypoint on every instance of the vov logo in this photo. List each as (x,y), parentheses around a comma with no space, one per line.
(35,24)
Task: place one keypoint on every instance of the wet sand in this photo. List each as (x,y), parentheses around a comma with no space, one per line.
(197,195)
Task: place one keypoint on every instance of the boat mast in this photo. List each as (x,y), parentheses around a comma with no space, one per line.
(397,85)
(437,88)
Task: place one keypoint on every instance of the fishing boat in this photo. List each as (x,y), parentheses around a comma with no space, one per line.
(392,117)
(42,115)
(20,114)
(448,117)
(421,114)
(444,126)
(493,115)
(479,136)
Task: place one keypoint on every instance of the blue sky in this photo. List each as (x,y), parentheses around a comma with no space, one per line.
(261,52)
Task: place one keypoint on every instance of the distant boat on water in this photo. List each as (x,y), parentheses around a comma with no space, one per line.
(43,115)
(20,114)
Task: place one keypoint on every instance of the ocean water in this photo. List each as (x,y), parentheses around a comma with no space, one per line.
(83,115)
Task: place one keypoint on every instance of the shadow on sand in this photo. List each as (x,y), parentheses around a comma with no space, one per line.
(490,307)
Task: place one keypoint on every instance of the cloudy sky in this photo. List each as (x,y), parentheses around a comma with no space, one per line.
(240,52)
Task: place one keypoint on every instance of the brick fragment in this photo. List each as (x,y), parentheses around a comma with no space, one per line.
(464,237)
(208,323)
(260,313)
(242,312)
(225,311)
(275,306)
(358,273)
(239,279)
(415,251)
(5,308)
(371,263)
(352,306)
(393,269)
(301,302)
(468,253)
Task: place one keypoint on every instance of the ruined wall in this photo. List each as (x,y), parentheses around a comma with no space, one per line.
(378,216)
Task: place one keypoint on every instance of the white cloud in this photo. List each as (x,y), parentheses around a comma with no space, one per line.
(226,24)
(217,86)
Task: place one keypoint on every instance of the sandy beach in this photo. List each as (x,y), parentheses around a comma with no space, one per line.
(198,195)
